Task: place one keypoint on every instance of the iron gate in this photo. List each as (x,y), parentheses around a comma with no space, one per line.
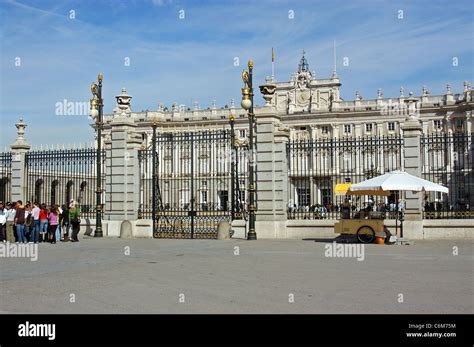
(191,183)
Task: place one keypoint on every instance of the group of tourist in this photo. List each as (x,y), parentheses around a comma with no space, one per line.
(36,223)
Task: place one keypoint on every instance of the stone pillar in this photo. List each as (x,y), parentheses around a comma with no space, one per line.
(123,188)
(272,174)
(19,150)
(449,130)
(469,121)
(413,225)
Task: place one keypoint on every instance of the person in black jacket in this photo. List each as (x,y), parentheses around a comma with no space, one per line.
(65,222)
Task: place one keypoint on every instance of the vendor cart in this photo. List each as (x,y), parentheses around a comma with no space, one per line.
(364,229)
(364,224)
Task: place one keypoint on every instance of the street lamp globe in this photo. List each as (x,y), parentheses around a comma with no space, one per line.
(94,113)
(246,103)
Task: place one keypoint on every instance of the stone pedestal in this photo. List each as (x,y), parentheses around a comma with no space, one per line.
(19,150)
(272,174)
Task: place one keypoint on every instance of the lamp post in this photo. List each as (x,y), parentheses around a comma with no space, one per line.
(154,174)
(96,112)
(247,104)
(233,166)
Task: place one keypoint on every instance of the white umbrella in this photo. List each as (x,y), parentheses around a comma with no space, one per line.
(398,180)
(401,181)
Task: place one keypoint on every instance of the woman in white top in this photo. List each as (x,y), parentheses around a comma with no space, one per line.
(10,215)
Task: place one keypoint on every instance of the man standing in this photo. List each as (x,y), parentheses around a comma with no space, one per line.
(65,223)
(35,212)
(74,220)
(20,221)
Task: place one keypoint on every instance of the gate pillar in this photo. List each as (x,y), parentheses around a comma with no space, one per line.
(272,173)
(19,150)
(122,187)
(413,225)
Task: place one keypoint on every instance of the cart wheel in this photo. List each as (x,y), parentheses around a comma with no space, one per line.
(365,234)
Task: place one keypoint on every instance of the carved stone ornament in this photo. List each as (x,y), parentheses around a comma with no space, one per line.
(268,91)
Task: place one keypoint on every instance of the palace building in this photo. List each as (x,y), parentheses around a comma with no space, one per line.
(343,140)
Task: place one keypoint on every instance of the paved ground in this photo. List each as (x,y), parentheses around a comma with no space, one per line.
(262,279)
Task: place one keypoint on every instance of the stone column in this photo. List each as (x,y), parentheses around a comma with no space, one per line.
(469,121)
(413,225)
(272,174)
(123,188)
(449,130)
(19,150)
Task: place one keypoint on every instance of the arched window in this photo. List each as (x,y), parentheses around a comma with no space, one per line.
(4,196)
(39,191)
(82,191)
(69,190)
(54,192)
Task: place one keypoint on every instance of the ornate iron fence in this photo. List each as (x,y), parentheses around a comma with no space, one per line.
(448,159)
(316,166)
(5,176)
(192,181)
(56,176)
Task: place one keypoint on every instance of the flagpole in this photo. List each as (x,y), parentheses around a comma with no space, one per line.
(273,64)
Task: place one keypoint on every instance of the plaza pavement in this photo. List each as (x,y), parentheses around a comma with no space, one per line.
(261,279)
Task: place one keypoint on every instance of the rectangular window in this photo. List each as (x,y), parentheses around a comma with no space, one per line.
(368,127)
(391,126)
(325,129)
(437,124)
(347,128)
(241,133)
(347,162)
(242,196)
(304,196)
(204,197)
(437,157)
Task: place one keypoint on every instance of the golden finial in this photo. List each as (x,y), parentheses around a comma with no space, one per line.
(245,77)
(231,117)
(94,89)
(250,64)
(100,77)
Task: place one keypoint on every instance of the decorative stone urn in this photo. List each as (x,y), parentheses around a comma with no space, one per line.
(268,90)
(123,102)
(413,112)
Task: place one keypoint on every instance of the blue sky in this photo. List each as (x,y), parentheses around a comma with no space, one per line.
(192,59)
